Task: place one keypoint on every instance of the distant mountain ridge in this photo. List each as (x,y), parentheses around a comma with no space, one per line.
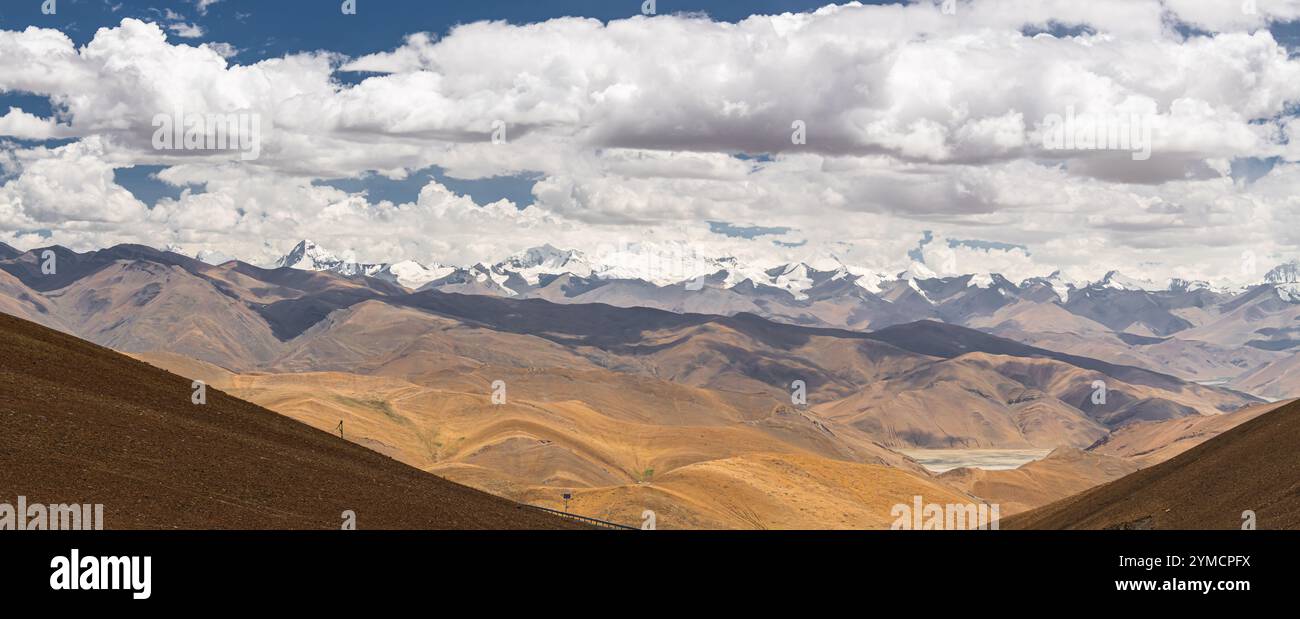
(1187,329)
(534,264)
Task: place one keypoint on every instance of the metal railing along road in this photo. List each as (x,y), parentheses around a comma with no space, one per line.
(596,522)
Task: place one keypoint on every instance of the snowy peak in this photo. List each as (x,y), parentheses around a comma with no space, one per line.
(918,270)
(478,279)
(1058,284)
(308,256)
(532,263)
(867,280)
(990,281)
(728,276)
(1178,284)
(662,264)
(1285,280)
(804,281)
(545,256)
(1115,280)
(411,274)
(206,256)
(1288,273)
(793,278)
(981,280)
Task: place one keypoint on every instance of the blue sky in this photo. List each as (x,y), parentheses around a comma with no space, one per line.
(261,29)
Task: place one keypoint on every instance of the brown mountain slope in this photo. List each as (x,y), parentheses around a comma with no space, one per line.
(1062,473)
(617,441)
(1242,319)
(16,299)
(84,424)
(957,403)
(980,400)
(136,299)
(142,306)
(1278,379)
(1186,359)
(1251,467)
(1154,442)
(1126,401)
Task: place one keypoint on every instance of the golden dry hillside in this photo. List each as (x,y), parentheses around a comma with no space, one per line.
(609,439)
(85,423)
(1248,472)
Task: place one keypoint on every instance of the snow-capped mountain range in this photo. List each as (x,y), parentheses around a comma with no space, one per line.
(647,275)
(308,256)
(1183,328)
(665,267)
(1137,320)
(645,262)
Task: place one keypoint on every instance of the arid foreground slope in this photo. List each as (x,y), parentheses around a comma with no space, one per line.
(1251,467)
(80,423)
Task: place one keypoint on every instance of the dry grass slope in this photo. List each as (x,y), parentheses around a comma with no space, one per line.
(1251,467)
(85,424)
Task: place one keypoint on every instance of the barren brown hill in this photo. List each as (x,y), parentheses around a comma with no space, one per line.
(1252,467)
(1278,379)
(16,299)
(1064,472)
(87,425)
(1154,442)
(620,443)
(136,299)
(1186,359)
(956,403)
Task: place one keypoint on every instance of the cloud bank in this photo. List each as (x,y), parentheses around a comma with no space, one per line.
(854,129)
